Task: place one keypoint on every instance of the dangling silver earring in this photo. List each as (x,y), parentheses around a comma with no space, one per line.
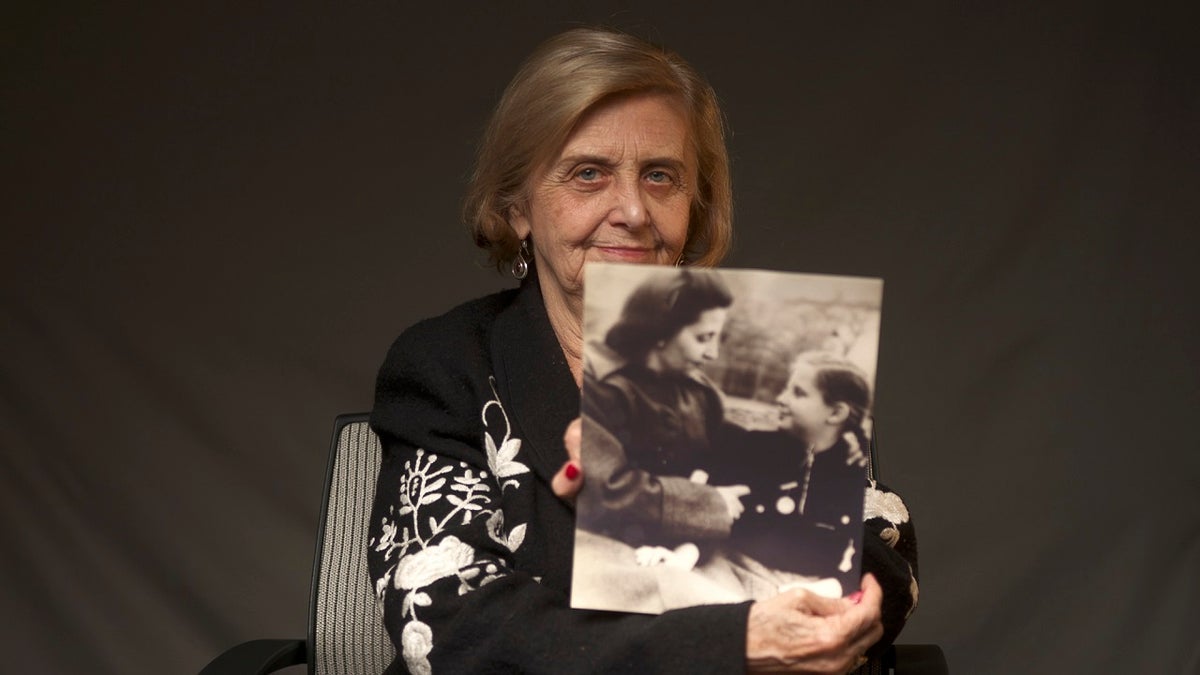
(520,264)
(680,261)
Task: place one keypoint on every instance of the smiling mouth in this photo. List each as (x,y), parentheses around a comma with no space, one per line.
(627,253)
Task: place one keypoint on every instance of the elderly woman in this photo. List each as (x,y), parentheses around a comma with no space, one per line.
(606,148)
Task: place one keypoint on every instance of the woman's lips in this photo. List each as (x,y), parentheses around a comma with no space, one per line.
(626,253)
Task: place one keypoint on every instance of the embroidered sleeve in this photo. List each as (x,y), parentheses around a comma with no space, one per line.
(451,520)
(890,553)
(440,523)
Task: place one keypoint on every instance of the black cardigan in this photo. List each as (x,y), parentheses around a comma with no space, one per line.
(470,550)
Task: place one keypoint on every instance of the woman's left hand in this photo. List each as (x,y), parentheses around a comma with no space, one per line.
(569,479)
(801,632)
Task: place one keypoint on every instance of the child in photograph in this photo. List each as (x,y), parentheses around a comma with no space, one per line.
(799,475)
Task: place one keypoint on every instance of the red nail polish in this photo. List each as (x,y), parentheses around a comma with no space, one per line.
(572,471)
(855,597)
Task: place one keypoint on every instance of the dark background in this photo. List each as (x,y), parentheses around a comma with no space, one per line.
(216,218)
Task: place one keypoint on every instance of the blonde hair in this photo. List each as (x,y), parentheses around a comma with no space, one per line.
(561,81)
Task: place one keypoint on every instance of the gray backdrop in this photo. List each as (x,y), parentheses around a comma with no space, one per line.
(216,218)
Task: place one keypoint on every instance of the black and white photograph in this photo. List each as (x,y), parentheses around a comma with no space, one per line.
(726,431)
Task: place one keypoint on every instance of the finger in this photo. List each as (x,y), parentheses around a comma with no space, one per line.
(866,615)
(806,601)
(856,597)
(865,637)
(739,490)
(573,439)
(569,479)
(567,482)
(872,592)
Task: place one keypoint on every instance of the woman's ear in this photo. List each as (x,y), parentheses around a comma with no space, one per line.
(519,222)
(838,413)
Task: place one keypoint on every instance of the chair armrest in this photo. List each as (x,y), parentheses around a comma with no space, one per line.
(258,657)
(916,660)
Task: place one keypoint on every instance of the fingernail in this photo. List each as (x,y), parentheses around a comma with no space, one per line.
(573,473)
(855,597)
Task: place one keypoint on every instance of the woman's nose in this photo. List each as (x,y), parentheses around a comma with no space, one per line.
(630,207)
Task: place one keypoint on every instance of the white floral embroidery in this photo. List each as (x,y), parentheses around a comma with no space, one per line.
(512,539)
(423,552)
(886,505)
(501,459)
(416,641)
(890,507)
(436,562)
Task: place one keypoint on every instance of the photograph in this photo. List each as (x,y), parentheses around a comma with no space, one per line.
(726,435)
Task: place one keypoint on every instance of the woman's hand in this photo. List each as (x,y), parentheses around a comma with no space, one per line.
(799,632)
(569,479)
(732,494)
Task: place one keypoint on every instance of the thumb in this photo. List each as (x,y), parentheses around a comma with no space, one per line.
(573,439)
(569,479)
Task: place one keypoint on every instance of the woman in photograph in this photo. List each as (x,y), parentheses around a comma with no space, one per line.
(602,148)
(649,413)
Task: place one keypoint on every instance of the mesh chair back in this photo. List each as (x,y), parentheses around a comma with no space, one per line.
(346,631)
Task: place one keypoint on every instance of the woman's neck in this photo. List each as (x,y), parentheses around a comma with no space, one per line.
(566,319)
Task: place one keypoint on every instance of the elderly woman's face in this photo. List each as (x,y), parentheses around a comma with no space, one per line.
(619,190)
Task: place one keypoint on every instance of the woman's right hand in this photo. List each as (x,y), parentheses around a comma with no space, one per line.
(569,479)
(800,632)
(732,494)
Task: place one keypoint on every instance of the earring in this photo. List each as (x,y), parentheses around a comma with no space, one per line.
(520,264)
(680,261)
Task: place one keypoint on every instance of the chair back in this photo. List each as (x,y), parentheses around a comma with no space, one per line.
(346,633)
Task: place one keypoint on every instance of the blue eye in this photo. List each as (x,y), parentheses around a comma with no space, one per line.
(588,174)
(659,177)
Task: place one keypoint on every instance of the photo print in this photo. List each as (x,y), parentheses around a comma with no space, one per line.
(726,426)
